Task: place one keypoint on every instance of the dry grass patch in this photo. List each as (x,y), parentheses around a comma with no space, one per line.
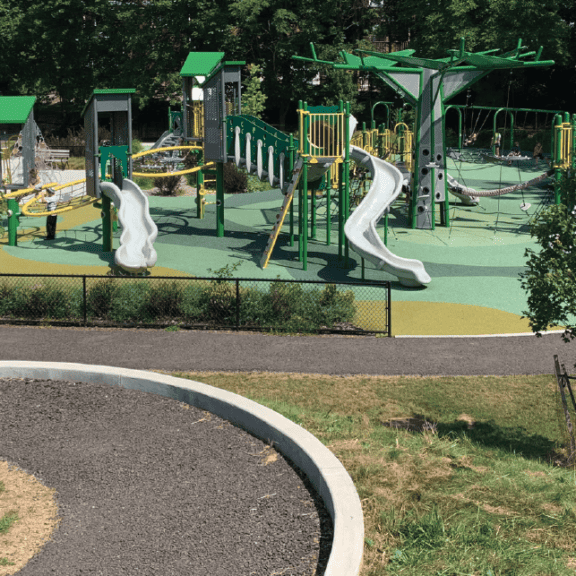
(36,513)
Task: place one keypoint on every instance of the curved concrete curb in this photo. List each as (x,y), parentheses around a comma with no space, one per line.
(322,468)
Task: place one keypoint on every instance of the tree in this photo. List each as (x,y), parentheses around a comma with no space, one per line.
(253,99)
(433,27)
(270,32)
(551,276)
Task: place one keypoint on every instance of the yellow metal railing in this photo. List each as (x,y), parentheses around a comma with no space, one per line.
(323,132)
(371,141)
(196,119)
(386,142)
(403,144)
(564,141)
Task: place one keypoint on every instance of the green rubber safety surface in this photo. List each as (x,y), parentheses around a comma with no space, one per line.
(474,264)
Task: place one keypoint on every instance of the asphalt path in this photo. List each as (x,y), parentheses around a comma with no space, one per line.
(247,352)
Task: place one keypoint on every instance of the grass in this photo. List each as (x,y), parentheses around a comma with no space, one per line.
(77,163)
(5,522)
(474,494)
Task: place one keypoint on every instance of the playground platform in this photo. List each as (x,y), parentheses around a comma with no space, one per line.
(474,264)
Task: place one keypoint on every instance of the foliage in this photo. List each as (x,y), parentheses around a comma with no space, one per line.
(137,146)
(270,32)
(235,181)
(168,185)
(60,50)
(490,24)
(253,99)
(550,278)
(285,306)
(143,182)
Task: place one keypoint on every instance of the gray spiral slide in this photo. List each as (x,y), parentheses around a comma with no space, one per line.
(360,228)
(136,252)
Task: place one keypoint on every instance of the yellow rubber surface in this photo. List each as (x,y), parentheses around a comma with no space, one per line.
(431,318)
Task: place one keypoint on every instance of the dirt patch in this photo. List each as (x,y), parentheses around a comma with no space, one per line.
(411,423)
(37,511)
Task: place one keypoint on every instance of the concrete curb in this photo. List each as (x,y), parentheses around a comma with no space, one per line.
(322,468)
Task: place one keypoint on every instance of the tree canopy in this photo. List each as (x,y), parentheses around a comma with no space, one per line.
(66,48)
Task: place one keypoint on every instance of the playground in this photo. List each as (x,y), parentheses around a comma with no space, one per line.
(474,263)
(453,259)
(448,228)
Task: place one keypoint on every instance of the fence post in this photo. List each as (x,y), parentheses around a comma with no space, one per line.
(560,379)
(85,299)
(237,303)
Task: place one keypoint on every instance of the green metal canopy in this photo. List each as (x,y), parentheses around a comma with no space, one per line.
(15,109)
(201,63)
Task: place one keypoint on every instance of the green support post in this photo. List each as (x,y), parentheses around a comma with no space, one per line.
(291,155)
(386,228)
(341,212)
(573,157)
(13,221)
(304,206)
(107,240)
(219,199)
(557,151)
(313,207)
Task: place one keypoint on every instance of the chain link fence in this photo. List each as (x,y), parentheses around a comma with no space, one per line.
(201,303)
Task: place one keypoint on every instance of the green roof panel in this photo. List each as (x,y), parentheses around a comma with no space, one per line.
(201,63)
(15,109)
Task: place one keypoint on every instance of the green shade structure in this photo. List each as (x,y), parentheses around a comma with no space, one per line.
(19,111)
(428,84)
(15,109)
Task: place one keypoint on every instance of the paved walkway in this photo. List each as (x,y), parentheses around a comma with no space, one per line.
(338,355)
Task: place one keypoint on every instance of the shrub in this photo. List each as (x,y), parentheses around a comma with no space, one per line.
(169,185)
(235,182)
(282,305)
(283,301)
(334,306)
(131,302)
(100,297)
(221,302)
(164,300)
(193,302)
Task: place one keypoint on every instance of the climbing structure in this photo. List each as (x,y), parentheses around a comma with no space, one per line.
(428,84)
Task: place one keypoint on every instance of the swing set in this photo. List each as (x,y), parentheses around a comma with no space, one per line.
(466,138)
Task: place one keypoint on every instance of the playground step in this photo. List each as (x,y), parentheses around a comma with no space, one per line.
(282,214)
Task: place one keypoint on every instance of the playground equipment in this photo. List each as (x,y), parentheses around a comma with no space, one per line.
(510,115)
(387,182)
(428,84)
(320,156)
(17,114)
(136,252)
